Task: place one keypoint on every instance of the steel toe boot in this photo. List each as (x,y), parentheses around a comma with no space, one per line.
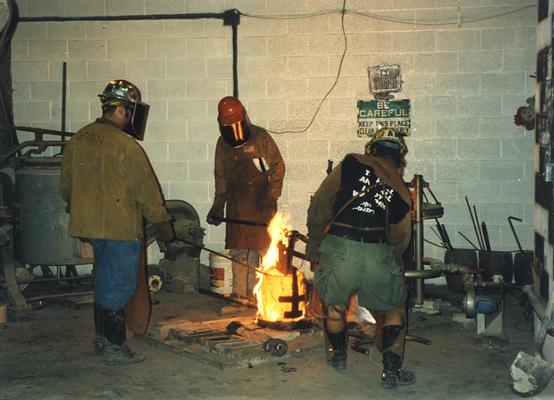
(393,374)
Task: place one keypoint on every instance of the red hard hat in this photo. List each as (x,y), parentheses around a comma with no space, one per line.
(230,111)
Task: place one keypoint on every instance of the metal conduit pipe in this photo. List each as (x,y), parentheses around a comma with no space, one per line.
(437,268)
(229,17)
(535,302)
(418,251)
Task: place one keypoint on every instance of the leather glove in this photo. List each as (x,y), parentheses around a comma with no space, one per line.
(163,231)
(213,215)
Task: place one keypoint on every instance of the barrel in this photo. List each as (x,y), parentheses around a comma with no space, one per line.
(464,257)
(221,273)
(41,235)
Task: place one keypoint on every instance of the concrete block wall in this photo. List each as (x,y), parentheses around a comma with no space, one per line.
(465,82)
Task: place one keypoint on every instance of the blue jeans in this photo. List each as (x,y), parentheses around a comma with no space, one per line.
(116,266)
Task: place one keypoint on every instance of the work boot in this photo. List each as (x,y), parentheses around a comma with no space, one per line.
(120,355)
(115,351)
(393,374)
(99,342)
(338,344)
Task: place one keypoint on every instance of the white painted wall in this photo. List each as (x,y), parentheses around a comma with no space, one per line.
(465,82)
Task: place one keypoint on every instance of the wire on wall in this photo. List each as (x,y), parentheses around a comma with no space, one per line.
(458,20)
(343,12)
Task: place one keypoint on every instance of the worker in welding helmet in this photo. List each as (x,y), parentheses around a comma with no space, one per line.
(249,172)
(121,92)
(110,189)
(359,228)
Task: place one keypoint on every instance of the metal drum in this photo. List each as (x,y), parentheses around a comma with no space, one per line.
(41,234)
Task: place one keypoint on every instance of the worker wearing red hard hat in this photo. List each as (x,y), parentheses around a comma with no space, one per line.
(249,173)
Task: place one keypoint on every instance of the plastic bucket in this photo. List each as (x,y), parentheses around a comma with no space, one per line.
(221,274)
(464,257)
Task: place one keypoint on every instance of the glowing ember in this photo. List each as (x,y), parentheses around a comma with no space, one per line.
(280,292)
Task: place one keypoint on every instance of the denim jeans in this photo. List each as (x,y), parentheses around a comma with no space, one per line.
(116,266)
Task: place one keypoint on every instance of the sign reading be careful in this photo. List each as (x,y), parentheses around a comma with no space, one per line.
(376,114)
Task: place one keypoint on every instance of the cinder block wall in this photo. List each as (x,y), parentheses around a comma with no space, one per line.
(465,82)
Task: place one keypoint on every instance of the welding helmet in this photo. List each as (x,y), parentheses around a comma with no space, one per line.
(120,91)
(387,141)
(234,124)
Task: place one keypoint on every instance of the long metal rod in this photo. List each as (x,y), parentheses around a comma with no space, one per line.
(473,222)
(64,97)
(59,295)
(418,252)
(235,61)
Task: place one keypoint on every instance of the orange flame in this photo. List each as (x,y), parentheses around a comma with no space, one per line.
(273,284)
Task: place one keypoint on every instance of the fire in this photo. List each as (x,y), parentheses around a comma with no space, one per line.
(281,289)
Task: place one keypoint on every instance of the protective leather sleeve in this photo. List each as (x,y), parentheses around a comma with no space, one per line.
(143,184)
(320,211)
(220,196)
(276,170)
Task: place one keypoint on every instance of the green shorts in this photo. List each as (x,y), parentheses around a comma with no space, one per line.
(368,269)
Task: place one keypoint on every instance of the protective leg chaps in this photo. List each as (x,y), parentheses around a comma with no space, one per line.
(115,351)
(393,374)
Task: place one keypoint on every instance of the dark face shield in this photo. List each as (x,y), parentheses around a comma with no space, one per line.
(137,124)
(236,134)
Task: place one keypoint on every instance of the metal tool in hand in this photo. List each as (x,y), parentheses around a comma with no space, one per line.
(239,221)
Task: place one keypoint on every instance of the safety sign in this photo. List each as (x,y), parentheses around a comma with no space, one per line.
(376,114)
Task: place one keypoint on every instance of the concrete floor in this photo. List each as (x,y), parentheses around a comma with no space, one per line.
(49,357)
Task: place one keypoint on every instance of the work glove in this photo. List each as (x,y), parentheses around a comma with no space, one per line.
(163,231)
(215,213)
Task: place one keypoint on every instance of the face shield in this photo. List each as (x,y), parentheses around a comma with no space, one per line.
(139,115)
(236,134)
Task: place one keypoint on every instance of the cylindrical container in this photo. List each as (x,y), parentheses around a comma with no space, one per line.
(3,314)
(464,257)
(523,261)
(41,235)
(221,274)
(496,263)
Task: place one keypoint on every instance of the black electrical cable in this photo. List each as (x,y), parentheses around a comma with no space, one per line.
(458,21)
(343,12)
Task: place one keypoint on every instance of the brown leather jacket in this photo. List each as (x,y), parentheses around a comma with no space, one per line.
(321,206)
(248,193)
(109,184)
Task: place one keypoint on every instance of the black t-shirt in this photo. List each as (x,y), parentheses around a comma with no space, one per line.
(371,208)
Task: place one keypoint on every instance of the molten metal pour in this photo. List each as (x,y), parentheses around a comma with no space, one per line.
(281,291)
